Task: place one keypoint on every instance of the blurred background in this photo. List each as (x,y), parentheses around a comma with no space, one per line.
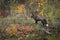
(18,13)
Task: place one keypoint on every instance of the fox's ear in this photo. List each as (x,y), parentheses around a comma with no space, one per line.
(47,25)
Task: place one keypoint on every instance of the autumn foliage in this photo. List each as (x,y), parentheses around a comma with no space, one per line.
(19,30)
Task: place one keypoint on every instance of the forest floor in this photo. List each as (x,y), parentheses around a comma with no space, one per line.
(25,29)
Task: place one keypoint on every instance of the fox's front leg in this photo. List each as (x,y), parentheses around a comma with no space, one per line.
(36,22)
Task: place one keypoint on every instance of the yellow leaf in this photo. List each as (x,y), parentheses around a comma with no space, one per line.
(14,29)
(42,13)
(9,31)
(20,8)
(40,4)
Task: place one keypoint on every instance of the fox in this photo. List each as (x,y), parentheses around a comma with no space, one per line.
(38,18)
(44,22)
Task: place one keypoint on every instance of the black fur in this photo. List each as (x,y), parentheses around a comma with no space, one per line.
(37,19)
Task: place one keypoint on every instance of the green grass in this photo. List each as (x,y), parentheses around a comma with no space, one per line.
(51,37)
(24,22)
